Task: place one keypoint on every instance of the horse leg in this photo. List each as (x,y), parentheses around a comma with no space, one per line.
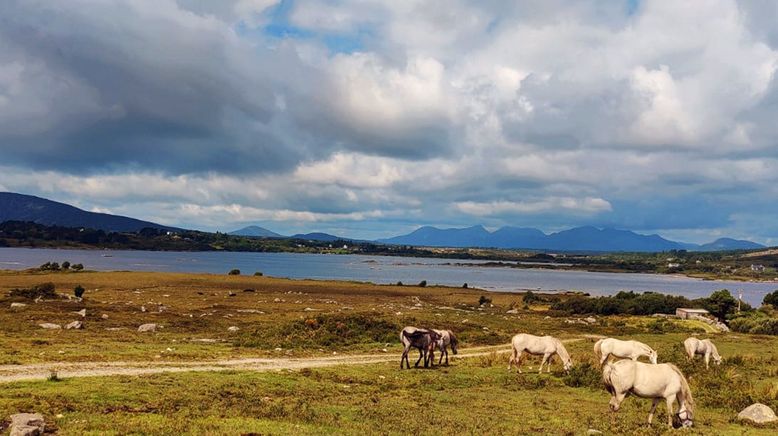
(670,401)
(519,356)
(511,359)
(707,360)
(405,356)
(653,409)
(548,364)
(604,358)
(416,365)
(545,358)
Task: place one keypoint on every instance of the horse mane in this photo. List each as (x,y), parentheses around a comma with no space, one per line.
(714,350)
(562,351)
(685,389)
(454,340)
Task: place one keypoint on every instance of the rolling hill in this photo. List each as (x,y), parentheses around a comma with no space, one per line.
(20,207)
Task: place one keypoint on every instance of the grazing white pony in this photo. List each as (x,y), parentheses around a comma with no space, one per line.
(447,339)
(623,349)
(705,347)
(538,345)
(650,381)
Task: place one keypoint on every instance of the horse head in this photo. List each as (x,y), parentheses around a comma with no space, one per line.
(454,342)
(685,417)
(653,356)
(568,364)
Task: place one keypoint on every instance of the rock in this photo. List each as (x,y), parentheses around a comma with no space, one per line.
(17,305)
(104,316)
(593,431)
(758,413)
(147,328)
(143,309)
(75,325)
(81,312)
(233,329)
(27,424)
(590,320)
(513,311)
(310,309)
(50,326)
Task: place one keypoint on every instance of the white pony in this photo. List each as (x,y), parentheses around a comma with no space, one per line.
(623,349)
(650,381)
(447,339)
(705,347)
(538,345)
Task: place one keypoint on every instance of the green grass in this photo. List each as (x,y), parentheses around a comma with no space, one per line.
(471,396)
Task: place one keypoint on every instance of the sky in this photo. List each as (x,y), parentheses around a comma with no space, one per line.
(370,118)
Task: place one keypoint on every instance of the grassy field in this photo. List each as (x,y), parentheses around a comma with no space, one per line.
(284,318)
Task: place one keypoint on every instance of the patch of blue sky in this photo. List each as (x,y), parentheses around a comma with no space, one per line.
(632,6)
(279,27)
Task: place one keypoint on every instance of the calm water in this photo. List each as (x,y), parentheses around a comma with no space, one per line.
(379,269)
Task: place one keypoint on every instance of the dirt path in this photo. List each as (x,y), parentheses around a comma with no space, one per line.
(41,371)
(12,373)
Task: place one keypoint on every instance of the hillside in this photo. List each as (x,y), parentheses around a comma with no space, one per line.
(256,231)
(20,207)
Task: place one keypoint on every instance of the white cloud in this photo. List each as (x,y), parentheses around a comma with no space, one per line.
(551,204)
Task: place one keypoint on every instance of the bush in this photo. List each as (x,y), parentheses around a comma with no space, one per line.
(78,291)
(256,274)
(325,331)
(399,283)
(484,300)
(530,298)
(720,304)
(464,286)
(66,265)
(77,267)
(423,284)
(771,299)
(234,272)
(43,290)
(584,375)
(623,303)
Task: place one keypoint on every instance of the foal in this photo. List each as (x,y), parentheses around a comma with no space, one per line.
(424,340)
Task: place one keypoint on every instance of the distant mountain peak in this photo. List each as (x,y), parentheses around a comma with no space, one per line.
(255,231)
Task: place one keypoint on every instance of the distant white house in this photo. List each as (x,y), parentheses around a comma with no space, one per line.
(685,313)
(757,268)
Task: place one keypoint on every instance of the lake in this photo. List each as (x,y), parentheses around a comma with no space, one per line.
(380,269)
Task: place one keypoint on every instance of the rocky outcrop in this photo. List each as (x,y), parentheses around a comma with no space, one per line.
(148,328)
(27,424)
(757,413)
(50,326)
(75,325)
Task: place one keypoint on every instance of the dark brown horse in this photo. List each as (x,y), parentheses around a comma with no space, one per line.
(425,340)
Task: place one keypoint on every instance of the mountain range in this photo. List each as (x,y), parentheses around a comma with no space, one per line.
(20,207)
(586,238)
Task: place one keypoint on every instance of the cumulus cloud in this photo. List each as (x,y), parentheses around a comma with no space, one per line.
(378,116)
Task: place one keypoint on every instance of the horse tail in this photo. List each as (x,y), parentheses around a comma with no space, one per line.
(598,349)
(685,389)
(607,376)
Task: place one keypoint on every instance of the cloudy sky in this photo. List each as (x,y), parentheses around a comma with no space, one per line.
(370,118)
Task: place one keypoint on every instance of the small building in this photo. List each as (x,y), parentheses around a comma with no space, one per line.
(757,268)
(685,313)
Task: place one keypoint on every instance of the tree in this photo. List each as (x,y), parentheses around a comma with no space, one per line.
(422,283)
(66,265)
(720,304)
(234,272)
(77,267)
(78,291)
(771,299)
